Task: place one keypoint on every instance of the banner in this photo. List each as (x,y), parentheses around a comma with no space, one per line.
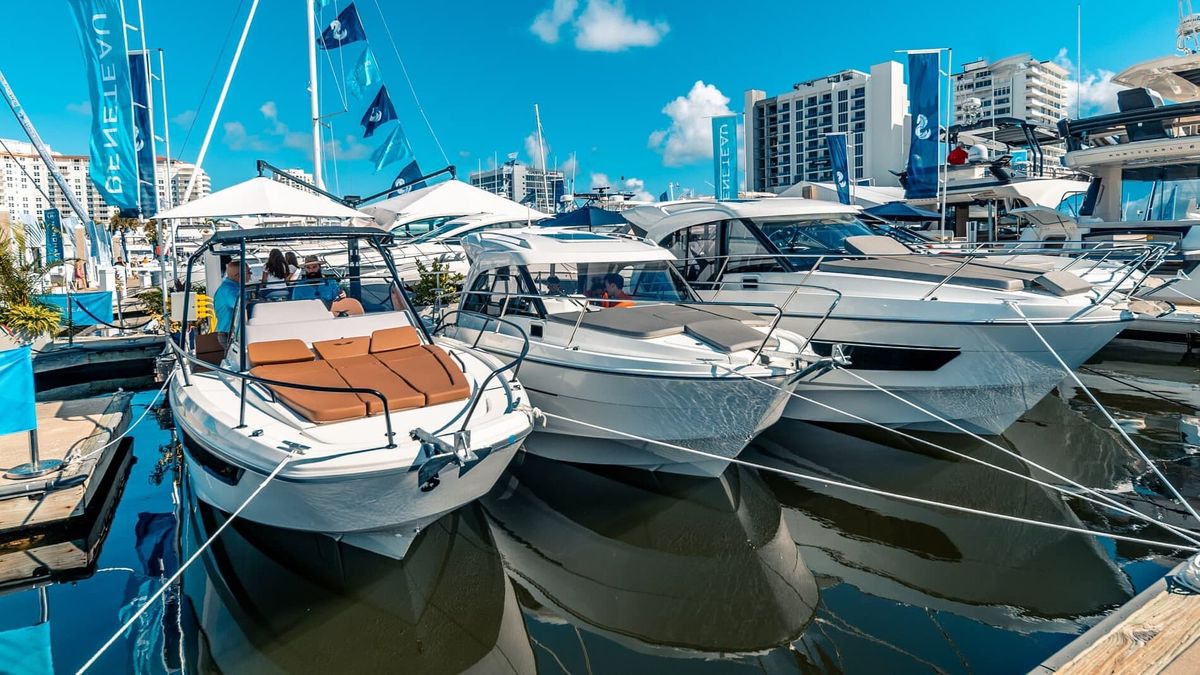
(88,308)
(343,30)
(725,168)
(381,112)
(837,164)
(394,149)
(101,32)
(365,74)
(142,143)
(923,156)
(404,180)
(54,239)
(16,391)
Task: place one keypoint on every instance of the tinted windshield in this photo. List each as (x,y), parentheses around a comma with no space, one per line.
(646,280)
(1161,193)
(824,235)
(439,232)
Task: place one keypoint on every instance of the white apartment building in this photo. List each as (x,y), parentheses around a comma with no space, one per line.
(785,134)
(515,181)
(299,174)
(1017,86)
(19,195)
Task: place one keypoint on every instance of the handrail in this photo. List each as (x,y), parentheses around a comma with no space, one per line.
(514,364)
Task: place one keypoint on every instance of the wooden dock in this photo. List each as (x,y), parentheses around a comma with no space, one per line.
(79,427)
(1157,632)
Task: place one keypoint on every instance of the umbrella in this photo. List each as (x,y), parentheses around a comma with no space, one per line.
(588,216)
(902,212)
(261,197)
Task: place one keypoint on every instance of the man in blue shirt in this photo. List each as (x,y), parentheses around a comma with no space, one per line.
(225,300)
(312,284)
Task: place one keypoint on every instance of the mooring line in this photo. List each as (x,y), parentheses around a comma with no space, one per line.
(882,493)
(129,429)
(174,577)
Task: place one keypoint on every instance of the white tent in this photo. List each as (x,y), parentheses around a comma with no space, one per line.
(863,195)
(261,197)
(448,198)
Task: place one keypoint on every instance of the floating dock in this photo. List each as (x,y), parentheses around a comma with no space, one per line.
(95,364)
(1158,631)
(80,427)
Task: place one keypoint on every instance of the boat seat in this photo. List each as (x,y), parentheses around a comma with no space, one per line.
(913,268)
(875,244)
(389,339)
(638,322)
(748,318)
(288,311)
(368,372)
(1062,283)
(316,406)
(270,352)
(338,349)
(347,307)
(726,335)
(429,370)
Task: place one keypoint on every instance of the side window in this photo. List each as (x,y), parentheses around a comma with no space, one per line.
(501,292)
(696,249)
(746,252)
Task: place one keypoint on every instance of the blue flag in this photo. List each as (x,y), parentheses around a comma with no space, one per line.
(725,168)
(380,112)
(343,30)
(113,169)
(922,175)
(394,149)
(139,79)
(663,197)
(405,179)
(365,74)
(52,219)
(837,163)
(16,391)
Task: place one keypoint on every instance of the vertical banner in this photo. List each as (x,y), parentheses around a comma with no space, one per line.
(52,220)
(139,78)
(923,94)
(113,170)
(16,391)
(837,164)
(725,168)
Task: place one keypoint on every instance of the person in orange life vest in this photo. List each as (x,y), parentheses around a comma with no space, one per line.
(958,155)
(614,291)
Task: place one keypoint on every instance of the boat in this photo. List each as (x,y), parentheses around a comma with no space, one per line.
(650,361)
(942,332)
(388,428)
(668,566)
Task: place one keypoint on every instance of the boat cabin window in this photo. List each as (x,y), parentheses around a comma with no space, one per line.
(1161,193)
(415,228)
(696,249)
(747,253)
(812,236)
(502,291)
(651,280)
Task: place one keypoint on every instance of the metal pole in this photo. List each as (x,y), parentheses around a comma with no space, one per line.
(167,242)
(37,466)
(542,155)
(942,167)
(314,99)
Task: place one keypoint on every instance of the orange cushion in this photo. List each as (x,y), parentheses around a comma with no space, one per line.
(341,348)
(278,351)
(316,406)
(367,372)
(389,339)
(429,370)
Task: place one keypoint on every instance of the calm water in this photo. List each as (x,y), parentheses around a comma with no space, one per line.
(570,570)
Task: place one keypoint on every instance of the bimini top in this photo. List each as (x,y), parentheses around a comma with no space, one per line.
(547,245)
(670,217)
(383,237)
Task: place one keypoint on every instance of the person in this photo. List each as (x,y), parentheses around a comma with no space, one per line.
(614,291)
(275,276)
(225,300)
(554,285)
(293,265)
(958,155)
(314,284)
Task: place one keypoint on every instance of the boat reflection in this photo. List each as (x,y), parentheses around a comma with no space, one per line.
(270,600)
(662,564)
(1018,577)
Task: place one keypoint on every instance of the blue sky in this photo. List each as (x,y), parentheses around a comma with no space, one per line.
(602,71)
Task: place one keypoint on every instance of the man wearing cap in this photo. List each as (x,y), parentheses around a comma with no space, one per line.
(313,284)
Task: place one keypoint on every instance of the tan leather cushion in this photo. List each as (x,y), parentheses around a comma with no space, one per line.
(347,307)
(366,371)
(316,406)
(389,339)
(278,351)
(341,348)
(429,370)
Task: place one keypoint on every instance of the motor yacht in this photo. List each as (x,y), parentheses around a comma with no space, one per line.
(619,341)
(942,332)
(389,428)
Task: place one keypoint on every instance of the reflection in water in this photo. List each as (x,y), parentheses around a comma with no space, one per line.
(268,600)
(661,564)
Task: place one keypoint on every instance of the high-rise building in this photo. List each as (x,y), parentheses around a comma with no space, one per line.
(785,134)
(1017,86)
(299,174)
(520,183)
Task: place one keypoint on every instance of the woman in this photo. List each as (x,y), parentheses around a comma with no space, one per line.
(293,265)
(275,276)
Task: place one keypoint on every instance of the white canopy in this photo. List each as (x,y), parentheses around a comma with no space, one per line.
(452,197)
(261,197)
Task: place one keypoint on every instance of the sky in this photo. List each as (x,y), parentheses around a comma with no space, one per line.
(625,87)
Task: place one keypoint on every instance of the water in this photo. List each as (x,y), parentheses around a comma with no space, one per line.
(570,570)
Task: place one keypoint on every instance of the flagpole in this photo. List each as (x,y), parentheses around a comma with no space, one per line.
(169,193)
(313,98)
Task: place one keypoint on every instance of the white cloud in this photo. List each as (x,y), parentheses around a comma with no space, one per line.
(597,180)
(638,187)
(689,138)
(237,138)
(550,20)
(346,148)
(1096,92)
(570,167)
(464,154)
(185,118)
(604,26)
(82,108)
(531,150)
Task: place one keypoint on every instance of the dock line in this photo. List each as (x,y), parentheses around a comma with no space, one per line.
(149,406)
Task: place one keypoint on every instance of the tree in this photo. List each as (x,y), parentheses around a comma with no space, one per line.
(437,283)
(22,313)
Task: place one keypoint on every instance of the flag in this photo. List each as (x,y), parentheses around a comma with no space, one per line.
(394,149)
(663,196)
(16,391)
(139,80)
(54,238)
(838,165)
(922,174)
(380,112)
(404,180)
(113,169)
(725,168)
(365,74)
(343,30)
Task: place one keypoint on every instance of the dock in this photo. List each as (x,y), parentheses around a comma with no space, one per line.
(95,364)
(80,427)
(1158,631)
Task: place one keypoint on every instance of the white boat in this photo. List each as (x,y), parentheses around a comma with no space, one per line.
(391,428)
(647,360)
(418,211)
(938,331)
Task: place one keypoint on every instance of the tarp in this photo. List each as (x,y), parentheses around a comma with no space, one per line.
(452,197)
(261,197)
(16,393)
(585,216)
(901,211)
(90,307)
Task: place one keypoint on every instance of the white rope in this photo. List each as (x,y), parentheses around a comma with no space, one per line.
(881,493)
(1111,420)
(174,577)
(1100,499)
(150,406)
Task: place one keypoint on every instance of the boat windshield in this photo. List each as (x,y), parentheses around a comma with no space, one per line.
(438,233)
(642,280)
(825,234)
(1161,193)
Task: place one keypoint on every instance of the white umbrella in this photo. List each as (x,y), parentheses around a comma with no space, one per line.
(261,197)
(452,196)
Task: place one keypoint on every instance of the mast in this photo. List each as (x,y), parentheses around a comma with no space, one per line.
(313,98)
(542,158)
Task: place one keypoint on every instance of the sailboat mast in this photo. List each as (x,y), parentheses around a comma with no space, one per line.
(542,157)
(313,99)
